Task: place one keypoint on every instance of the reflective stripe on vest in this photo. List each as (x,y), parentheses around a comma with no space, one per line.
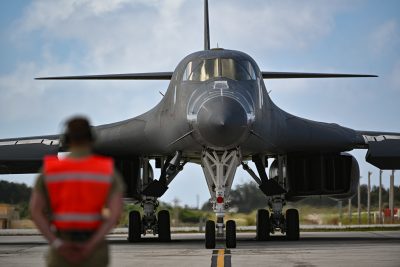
(77,217)
(71,176)
(78,190)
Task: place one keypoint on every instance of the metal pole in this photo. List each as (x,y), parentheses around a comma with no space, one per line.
(369,198)
(380,197)
(350,211)
(391,197)
(359,201)
(340,212)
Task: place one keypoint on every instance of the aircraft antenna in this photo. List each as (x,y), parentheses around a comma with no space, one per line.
(206,27)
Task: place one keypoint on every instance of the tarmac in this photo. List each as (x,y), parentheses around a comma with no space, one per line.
(367,248)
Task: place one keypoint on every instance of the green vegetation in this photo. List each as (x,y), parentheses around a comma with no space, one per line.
(16,194)
(245,200)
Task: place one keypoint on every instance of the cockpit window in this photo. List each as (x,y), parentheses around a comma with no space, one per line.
(219,67)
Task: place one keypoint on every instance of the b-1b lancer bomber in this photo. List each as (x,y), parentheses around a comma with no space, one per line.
(217,113)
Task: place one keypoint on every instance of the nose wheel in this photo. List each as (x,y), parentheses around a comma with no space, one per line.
(230,234)
(210,234)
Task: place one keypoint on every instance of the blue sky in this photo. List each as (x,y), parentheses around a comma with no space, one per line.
(45,37)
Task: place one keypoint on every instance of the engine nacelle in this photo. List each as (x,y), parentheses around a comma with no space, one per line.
(333,175)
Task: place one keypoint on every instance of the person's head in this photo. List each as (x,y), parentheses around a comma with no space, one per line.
(78,133)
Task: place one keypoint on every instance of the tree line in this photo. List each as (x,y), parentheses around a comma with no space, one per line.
(248,197)
(14,193)
(245,197)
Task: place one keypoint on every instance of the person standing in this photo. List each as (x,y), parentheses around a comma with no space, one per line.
(77,200)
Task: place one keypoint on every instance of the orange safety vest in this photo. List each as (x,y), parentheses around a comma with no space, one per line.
(78,190)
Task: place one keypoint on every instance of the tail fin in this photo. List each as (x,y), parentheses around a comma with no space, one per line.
(206,27)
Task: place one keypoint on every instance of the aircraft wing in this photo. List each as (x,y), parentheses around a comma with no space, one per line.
(124,76)
(24,155)
(291,75)
(383,149)
(168,76)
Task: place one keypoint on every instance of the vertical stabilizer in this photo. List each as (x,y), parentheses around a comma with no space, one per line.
(206,27)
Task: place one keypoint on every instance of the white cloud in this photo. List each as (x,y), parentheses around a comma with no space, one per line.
(139,36)
(385,37)
(124,35)
(272,25)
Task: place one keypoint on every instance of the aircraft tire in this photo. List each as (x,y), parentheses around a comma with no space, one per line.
(231,234)
(292,225)
(164,226)
(263,225)
(210,234)
(135,226)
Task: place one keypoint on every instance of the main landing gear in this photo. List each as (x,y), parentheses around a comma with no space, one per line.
(149,223)
(151,190)
(266,223)
(219,169)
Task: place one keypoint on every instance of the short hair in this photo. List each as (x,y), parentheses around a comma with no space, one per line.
(78,130)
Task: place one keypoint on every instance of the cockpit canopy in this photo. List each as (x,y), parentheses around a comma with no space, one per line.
(204,70)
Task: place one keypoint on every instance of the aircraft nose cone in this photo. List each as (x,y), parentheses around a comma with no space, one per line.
(222,121)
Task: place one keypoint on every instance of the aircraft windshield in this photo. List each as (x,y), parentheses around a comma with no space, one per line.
(219,67)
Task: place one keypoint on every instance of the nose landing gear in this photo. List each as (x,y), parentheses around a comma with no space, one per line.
(219,168)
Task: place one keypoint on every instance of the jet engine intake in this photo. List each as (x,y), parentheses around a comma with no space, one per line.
(333,175)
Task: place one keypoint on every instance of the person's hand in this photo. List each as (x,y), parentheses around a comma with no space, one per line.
(86,249)
(70,251)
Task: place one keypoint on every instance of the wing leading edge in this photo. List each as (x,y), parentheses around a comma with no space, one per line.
(25,155)
(125,76)
(168,76)
(290,75)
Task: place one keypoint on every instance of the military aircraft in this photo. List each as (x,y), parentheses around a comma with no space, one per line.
(217,113)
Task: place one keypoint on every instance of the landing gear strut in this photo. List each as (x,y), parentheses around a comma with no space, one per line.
(219,168)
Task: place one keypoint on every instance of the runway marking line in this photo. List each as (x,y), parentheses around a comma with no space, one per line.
(221,258)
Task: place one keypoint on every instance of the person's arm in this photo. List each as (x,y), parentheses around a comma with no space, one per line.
(115,207)
(37,207)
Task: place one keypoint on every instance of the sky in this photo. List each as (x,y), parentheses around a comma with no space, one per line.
(71,37)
